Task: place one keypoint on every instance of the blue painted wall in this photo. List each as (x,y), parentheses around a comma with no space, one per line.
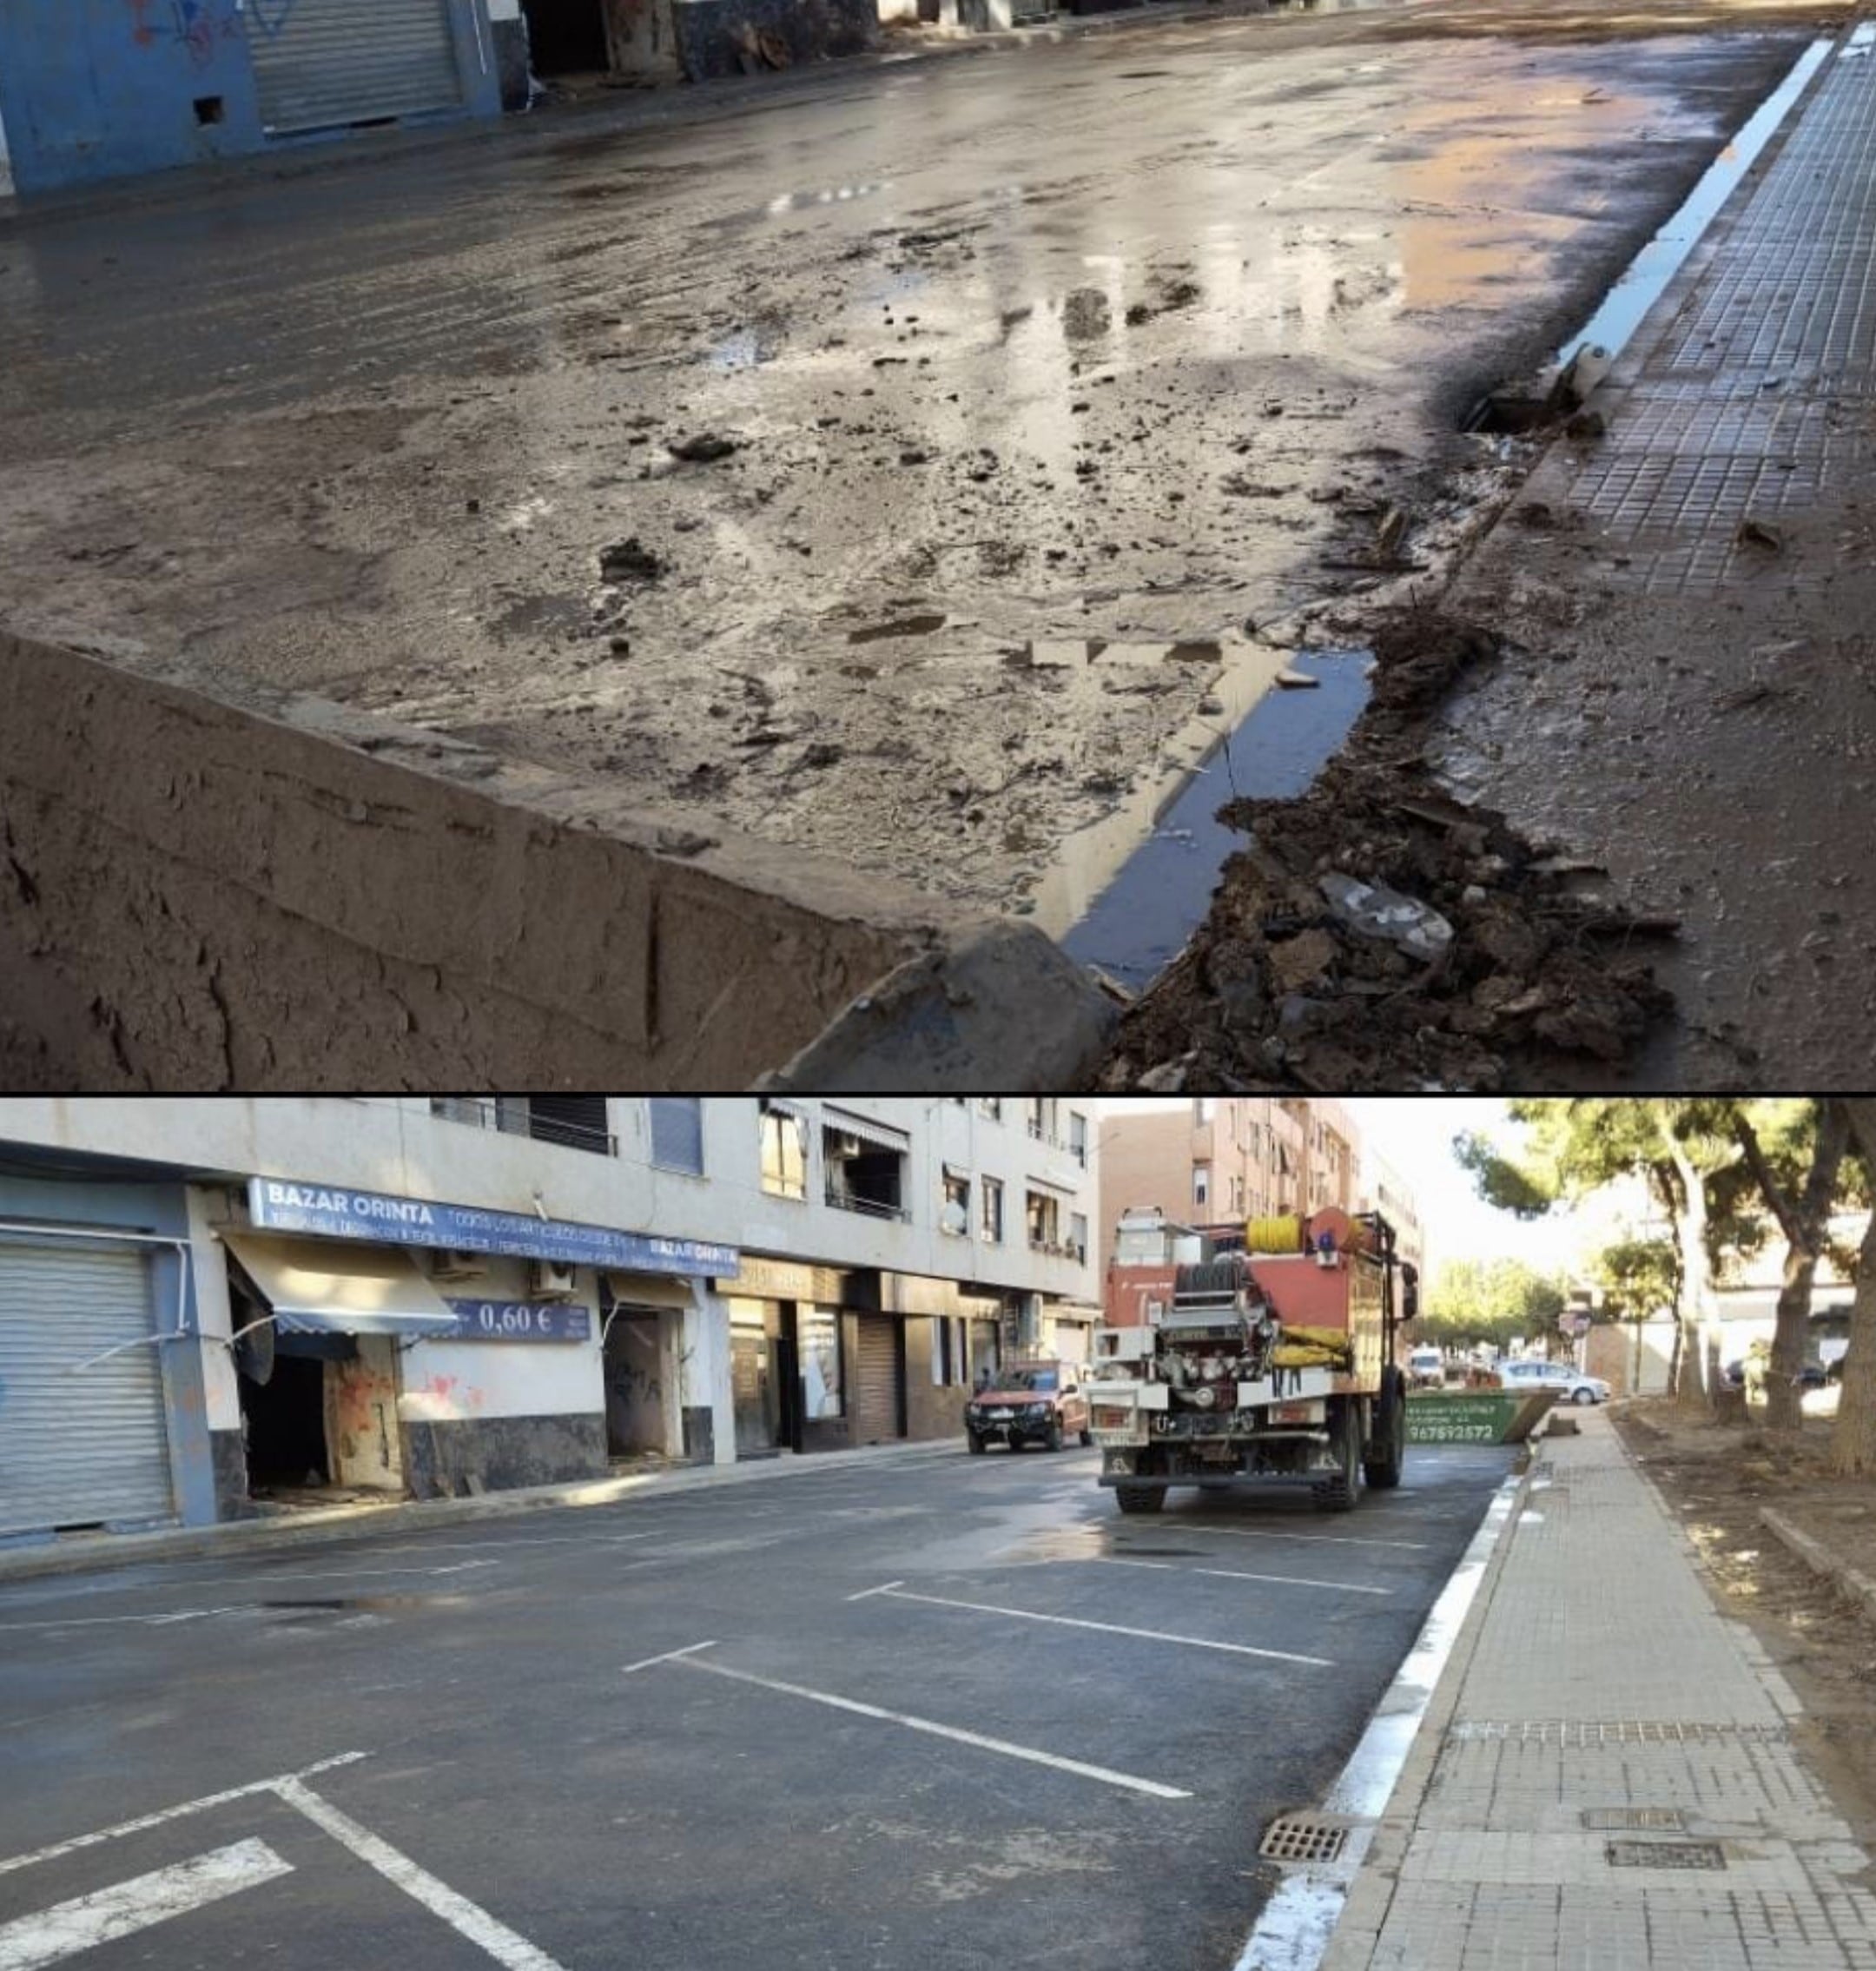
(100,88)
(162,1208)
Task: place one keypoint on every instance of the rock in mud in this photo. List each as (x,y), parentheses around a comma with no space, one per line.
(630,560)
(704,449)
(1086,313)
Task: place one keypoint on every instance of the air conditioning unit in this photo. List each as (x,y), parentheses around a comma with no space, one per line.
(549,1281)
(453,1263)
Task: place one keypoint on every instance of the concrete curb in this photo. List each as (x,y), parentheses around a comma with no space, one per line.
(87,1553)
(1370,1895)
(1847,1579)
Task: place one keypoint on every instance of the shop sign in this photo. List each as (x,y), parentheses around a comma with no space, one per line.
(516,1320)
(279,1205)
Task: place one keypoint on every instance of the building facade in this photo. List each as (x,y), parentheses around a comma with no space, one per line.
(217,1305)
(1209,1158)
(100,88)
(1385,1189)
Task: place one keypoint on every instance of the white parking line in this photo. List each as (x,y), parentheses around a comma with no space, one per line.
(886,1589)
(1232,1574)
(467,1919)
(116,1621)
(670,1655)
(927,1725)
(1112,1629)
(1270,1533)
(156,1820)
(29,1942)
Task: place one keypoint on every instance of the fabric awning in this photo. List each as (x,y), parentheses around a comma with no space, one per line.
(882,1135)
(1053,1184)
(326,1286)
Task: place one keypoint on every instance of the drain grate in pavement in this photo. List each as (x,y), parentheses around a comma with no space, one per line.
(1615,1820)
(1302,1837)
(1618,1731)
(1665,1855)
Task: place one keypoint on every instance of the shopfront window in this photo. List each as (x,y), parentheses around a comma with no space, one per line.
(819,1332)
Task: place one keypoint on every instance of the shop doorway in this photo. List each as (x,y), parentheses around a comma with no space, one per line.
(637,1425)
(566,37)
(765,1377)
(879,1379)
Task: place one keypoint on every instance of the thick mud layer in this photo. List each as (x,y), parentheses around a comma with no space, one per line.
(756,466)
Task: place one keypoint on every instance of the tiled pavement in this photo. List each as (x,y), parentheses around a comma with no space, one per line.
(1756,399)
(1607,1779)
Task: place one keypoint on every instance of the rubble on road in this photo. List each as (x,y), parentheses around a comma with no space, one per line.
(1321,964)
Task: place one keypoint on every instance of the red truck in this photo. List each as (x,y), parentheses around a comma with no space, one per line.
(1261,1350)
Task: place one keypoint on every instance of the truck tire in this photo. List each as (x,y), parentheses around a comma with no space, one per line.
(1088,1437)
(1140,1498)
(1339,1492)
(1053,1441)
(976,1442)
(1387,1447)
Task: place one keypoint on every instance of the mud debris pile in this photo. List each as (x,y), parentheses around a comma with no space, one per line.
(1283,988)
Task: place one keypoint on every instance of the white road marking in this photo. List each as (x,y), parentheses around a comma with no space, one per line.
(467,1919)
(1291,1581)
(116,1621)
(1267,1533)
(950,1731)
(156,1820)
(670,1655)
(65,1930)
(1113,1628)
(884,1588)
(1114,1560)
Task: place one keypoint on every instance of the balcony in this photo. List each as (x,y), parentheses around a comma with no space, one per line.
(840,1199)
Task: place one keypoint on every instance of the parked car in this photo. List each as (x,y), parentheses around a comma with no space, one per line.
(1028,1403)
(1571,1385)
(1426,1369)
(1813,1375)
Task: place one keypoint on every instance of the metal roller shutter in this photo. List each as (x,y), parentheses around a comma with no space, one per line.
(876,1380)
(320,62)
(76,1449)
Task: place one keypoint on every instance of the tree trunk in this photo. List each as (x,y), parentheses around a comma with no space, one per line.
(1791,1342)
(1700,1347)
(1853,1441)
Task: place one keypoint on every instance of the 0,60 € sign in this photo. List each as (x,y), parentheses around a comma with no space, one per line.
(519,1321)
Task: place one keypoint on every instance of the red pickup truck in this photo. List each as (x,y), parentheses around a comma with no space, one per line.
(1031,1402)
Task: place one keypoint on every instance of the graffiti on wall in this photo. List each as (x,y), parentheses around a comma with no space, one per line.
(195,25)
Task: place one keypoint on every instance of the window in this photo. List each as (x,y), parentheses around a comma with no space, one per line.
(1043,1216)
(1078,1138)
(1238,1196)
(1203,1108)
(1078,1234)
(1040,1117)
(817,1331)
(954,1219)
(784,1152)
(993,1211)
(676,1133)
(866,1166)
(993,1107)
(1201,1183)
(576,1123)
(949,1349)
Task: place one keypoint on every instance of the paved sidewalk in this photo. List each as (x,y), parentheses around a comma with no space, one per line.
(80,1553)
(1606,1778)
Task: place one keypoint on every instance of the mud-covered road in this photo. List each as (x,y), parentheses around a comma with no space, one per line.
(1136,338)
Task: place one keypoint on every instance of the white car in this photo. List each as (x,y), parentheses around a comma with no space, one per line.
(1571,1385)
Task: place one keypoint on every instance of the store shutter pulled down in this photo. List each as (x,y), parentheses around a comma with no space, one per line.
(323,64)
(80,1445)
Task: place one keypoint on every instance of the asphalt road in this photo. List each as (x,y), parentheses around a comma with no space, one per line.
(934,1711)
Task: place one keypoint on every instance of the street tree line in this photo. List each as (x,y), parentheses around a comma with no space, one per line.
(1727,1176)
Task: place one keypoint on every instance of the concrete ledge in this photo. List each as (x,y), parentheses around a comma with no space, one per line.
(89,1552)
(1815,1554)
(215,885)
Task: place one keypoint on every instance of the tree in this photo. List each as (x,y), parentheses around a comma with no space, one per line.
(1495,1302)
(1578,1145)
(1641,1282)
(1853,1441)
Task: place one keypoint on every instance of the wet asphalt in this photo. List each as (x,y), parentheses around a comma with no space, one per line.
(682,1816)
(1133,340)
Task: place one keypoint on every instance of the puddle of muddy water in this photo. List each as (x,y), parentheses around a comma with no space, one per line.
(1141,921)
(1641,282)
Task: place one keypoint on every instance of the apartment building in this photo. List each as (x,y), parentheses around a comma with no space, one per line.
(215,1306)
(1384,1188)
(1207,1159)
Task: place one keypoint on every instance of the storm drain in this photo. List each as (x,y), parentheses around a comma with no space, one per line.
(1302,1837)
(1623,1819)
(1665,1855)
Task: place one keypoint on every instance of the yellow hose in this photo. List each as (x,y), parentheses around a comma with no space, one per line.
(1283,1234)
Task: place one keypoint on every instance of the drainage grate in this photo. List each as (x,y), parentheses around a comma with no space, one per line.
(1665,1855)
(1612,1819)
(1622,1731)
(1302,1837)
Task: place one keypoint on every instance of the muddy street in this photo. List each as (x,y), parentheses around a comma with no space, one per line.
(901,465)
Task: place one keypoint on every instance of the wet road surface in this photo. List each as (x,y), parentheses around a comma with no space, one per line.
(951,1711)
(1134,339)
